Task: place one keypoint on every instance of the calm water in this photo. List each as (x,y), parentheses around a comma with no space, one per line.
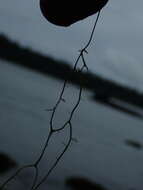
(100,152)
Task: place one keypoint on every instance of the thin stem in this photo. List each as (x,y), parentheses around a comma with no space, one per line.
(14,175)
(35,177)
(67,123)
(57,160)
(93,30)
(44,148)
(81,55)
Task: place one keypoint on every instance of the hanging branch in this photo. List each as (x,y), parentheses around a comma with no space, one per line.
(67,124)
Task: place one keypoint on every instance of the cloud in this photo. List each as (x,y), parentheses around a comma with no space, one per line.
(125,67)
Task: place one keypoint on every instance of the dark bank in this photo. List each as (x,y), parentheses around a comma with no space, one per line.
(105,90)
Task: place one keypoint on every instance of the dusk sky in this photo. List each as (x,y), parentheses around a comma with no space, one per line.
(116,50)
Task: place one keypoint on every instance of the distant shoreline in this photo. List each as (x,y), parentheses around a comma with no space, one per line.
(103,89)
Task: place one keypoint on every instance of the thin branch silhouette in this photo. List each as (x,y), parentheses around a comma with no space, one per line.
(67,124)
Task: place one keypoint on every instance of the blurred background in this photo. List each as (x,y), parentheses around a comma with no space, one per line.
(117,52)
(108,140)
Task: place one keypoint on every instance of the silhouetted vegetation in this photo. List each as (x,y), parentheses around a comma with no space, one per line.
(6,163)
(80,183)
(104,89)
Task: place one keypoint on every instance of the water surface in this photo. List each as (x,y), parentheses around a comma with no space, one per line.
(100,152)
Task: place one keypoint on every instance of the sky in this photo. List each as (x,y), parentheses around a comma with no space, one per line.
(116,50)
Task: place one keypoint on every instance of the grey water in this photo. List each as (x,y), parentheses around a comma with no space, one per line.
(99,152)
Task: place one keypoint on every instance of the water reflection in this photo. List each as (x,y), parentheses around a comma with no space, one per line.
(81,183)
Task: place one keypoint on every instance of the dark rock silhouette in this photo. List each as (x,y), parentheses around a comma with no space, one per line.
(67,12)
(80,183)
(6,163)
(134,144)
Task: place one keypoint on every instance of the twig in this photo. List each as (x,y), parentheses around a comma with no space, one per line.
(68,123)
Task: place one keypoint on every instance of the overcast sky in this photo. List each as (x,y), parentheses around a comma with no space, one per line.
(116,51)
